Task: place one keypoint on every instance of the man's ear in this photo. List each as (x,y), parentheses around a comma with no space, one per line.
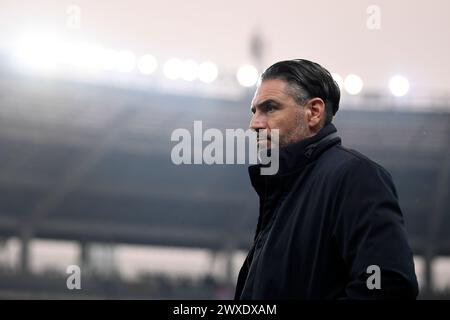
(315,114)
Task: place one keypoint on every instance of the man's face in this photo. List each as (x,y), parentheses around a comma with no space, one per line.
(274,108)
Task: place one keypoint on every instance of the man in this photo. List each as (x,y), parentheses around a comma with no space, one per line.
(330,226)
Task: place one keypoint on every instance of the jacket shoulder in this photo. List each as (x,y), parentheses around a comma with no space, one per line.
(343,160)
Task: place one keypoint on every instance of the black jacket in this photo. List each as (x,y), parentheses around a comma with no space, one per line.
(325,217)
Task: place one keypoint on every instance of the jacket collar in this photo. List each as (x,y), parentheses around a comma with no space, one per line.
(294,157)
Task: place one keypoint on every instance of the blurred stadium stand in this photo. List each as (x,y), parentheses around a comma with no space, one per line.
(91,163)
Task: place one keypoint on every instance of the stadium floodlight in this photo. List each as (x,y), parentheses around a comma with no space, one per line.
(189,70)
(125,61)
(337,77)
(172,68)
(207,72)
(399,85)
(247,75)
(82,56)
(109,58)
(147,64)
(38,50)
(353,84)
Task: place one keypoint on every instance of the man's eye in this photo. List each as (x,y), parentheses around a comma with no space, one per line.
(269,108)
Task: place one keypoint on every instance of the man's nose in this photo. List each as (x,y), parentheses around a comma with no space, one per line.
(258,122)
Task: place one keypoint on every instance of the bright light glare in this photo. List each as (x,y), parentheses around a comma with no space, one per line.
(207,72)
(172,68)
(189,70)
(109,58)
(353,84)
(147,64)
(399,86)
(82,56)
(247,75)
(38,51)
(125,61)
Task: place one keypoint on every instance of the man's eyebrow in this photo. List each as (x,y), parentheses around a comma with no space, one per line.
(263,104)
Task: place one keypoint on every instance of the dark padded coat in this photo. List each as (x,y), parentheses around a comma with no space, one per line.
(327,216)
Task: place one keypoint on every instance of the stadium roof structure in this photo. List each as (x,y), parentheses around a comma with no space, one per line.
(92,163)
